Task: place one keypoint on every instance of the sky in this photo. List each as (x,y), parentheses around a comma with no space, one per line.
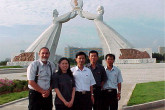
(141,22)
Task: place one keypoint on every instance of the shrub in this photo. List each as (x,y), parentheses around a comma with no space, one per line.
(7,85)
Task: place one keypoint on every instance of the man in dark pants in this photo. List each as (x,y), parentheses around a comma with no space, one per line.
(39,75)
(100,77)
(84,82)
(112,87)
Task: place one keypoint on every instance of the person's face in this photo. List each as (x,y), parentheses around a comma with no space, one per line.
(64,65)
(44,54)
(80,60)
(93,58)
(109,61)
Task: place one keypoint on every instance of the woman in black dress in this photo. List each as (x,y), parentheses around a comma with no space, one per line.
(64,86)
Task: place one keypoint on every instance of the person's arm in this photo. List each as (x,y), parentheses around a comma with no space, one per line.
(102,83)
(66,17)
(120,80)
(36,86)
(72,100)
(63,18)
(87,15)
(73,14)
(61,97)
(119,91)
(31,74)
(92,82)
(47,92)
(92,95)
(103,77)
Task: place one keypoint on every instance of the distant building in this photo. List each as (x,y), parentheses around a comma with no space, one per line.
(161,50)
(70,52)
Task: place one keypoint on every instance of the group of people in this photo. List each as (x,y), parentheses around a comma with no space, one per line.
(82,87)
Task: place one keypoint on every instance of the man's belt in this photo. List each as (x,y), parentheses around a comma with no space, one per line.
(110,90)
(83,92)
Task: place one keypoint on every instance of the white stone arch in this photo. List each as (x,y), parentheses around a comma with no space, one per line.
(111,41)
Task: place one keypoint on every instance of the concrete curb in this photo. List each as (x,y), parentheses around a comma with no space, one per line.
(13,68)
(129,95)
(12,102)
(145,106)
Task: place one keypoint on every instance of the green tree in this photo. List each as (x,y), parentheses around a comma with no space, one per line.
(101,58)
(159,57)
(164,57)
(5,61)
(72,61)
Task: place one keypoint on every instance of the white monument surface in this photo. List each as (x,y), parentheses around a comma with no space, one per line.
(112,42)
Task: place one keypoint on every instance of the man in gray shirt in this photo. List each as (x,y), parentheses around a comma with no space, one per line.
(39,74)
(100,78)
(112,87)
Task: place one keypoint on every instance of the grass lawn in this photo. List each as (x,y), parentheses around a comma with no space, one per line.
(147,92)
(11,67)
(5,98)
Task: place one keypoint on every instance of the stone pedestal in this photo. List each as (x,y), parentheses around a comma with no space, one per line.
(134,56)
(19,63)
(23,59)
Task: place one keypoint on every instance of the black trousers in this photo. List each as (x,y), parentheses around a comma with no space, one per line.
(110,101)
(82,101)
(61,107)
(37,102)
(98,98)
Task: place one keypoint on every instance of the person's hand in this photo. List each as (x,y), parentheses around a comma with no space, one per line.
(70,104)
(92,98)
(118,96)
(42,91)
(46,93)
(66,103)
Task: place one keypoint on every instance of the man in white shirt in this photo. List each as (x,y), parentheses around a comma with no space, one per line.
(84,82)
(39,74)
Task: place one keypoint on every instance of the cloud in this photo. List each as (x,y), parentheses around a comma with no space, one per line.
(30,12)
(34,12)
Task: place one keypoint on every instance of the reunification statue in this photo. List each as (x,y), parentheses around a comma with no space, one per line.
(90,16)
(112,42)
(49,38)
(76,4)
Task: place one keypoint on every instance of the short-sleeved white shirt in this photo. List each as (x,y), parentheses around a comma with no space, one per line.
(114,77)
(44,73)
(83,79)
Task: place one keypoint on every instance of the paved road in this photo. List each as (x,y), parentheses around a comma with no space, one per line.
(161,108)
(14,70)
(132,74)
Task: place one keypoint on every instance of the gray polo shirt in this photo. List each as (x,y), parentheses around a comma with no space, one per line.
(44,73)
(114,77)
